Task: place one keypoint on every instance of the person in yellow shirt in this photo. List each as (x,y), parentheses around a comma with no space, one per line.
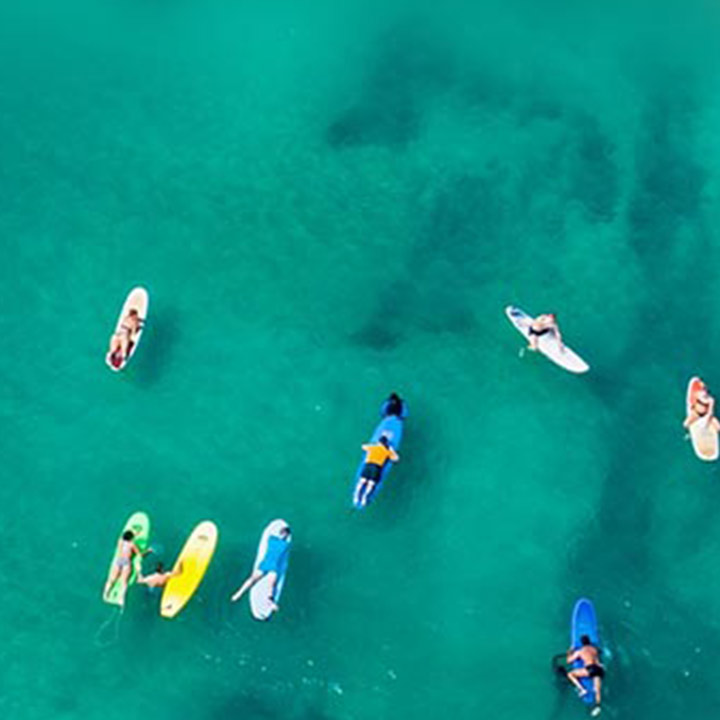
(376,457)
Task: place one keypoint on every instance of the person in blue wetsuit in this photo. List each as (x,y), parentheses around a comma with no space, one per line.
(395,405)
(277,549)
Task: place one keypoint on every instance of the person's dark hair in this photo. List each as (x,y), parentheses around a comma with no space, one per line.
(394,405)
(133,311)
(128,535)
(585,640)
(384,441)
(285,532)
(159,567)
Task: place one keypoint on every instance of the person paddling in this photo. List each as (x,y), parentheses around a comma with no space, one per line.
(160,577)
(376,456)
(277,549)
(592,668)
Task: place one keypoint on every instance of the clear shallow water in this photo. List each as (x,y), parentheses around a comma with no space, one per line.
(326,204)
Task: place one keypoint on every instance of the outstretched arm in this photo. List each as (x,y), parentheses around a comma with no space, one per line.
(254,577)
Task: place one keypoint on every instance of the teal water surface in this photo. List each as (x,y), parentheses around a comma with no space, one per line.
(329,201)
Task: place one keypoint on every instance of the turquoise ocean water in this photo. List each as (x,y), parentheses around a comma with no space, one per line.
(329,201)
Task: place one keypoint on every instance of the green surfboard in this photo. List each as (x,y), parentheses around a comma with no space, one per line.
(139,523)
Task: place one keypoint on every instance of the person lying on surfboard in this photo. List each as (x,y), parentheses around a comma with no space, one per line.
(120,571)
(160,577)
(592,668)
(123,339)
(541,325)
(703,407)
(277,550)
(375,458)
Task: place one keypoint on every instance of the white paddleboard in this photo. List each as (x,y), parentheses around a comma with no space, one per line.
(548,343)
(704,438)
(137,300)
(260,599)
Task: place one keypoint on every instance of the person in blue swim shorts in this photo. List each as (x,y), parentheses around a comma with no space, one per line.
(277,550)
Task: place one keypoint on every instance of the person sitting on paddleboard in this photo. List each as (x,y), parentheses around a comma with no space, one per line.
(395,405)
(375,458)
(542,325)
(592,668)
(126,552)
(703,407)
(122,340)
(277,550)
(159,578)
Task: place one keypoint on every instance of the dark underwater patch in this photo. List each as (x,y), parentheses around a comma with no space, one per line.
(669,179)
(594,176)
(410,66)
(460,238)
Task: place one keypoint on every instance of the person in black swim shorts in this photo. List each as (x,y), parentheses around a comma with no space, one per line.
(542,325)
(592,668)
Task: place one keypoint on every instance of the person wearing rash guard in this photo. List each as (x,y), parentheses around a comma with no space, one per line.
(395,405)
(277,550)
(376,456)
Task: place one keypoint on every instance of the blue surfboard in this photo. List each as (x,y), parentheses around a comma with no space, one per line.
(392,427)
(584,622)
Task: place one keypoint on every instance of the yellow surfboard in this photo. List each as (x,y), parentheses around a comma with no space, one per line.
(192,562)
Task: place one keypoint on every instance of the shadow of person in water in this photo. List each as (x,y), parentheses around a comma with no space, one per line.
(410,66)
(158,342)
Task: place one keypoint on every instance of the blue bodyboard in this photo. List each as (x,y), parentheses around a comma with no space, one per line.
(584,622)
(392,427)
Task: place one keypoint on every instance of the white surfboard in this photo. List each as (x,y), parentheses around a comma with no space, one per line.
(704,437)
(137,300)
(260,597)
(548,343)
